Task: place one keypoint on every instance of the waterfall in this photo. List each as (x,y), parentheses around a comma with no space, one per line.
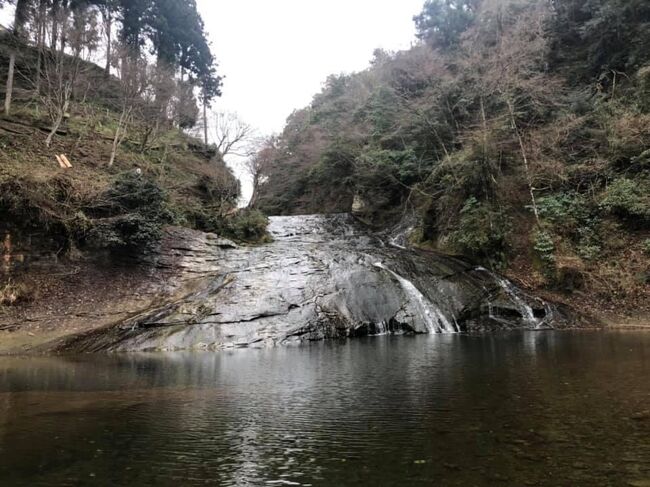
(523,307)
(381,328)
(435,320)
(526,311)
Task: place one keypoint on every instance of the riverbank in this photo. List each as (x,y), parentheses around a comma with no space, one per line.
(68,298)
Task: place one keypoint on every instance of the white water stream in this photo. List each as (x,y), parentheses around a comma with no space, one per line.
(435,320)
(526,311)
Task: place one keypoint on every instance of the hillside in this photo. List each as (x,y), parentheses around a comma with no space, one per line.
(83,223)
(516,132)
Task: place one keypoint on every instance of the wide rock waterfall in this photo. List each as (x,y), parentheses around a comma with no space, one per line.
(321,277)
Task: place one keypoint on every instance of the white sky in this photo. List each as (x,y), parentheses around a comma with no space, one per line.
(276,54)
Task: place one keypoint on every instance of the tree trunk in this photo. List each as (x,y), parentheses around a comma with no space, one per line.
(56,125)
(120,133)
(21,18)
(55,24)
(205,123)
(116,143)
(256,184)
(109,34)
(10,83)
(524,157)
(40,45)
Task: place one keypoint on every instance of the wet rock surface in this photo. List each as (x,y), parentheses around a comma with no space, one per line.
(322,277)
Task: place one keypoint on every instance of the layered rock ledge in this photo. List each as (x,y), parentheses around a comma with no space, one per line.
(321,277)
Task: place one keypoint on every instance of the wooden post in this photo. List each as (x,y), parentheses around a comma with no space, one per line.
(66,161)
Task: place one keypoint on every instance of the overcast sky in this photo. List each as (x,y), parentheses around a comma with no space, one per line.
(276,54)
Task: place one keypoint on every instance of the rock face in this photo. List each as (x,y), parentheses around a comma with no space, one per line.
(322,277)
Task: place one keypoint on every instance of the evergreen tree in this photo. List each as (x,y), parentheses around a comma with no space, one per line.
(21,17)
(442,22)
(133,15)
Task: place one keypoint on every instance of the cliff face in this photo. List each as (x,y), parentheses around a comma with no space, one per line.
(523,145)
(322,277)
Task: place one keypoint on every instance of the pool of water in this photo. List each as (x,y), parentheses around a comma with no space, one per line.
(546,408)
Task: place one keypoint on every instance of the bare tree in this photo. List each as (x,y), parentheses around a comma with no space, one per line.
(61,69)
(133,83)
(18,34)
(232,135)
(10,82)
(40,23)
(108,21)
(258,165)
(510,70)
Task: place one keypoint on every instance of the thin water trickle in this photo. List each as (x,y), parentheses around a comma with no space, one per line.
(525,310)
(434,319)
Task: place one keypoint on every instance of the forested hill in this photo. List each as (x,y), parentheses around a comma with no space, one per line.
(518,131)
(120,90)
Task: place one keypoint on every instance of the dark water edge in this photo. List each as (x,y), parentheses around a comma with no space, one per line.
(529,408)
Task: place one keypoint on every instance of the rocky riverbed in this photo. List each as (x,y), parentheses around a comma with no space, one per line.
(321,277)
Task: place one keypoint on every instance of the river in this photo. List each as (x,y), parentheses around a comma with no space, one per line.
(516,408)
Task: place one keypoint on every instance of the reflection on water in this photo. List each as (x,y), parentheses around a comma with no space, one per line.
(521,409)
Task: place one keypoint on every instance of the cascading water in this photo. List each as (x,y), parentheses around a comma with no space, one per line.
(380,328)
(525,310)
(434,319)
(322,276)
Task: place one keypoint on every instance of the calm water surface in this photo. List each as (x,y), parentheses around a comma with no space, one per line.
(520,409)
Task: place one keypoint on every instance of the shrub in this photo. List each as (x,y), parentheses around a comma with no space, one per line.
(628,199)
(544,247)
(573,216)
(643,76)
(12,293)
(129,216)
(246,226)
(481,233)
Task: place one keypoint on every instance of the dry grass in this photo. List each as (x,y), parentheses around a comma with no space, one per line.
(12,293)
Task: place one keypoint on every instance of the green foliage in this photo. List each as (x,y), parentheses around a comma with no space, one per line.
(335,166)
(126,235)
(574,216)
(383,174)
(628,199)
(567,211)
(442,22)
(544,247)
(482,233)
(559,207)
(129,217)
(381,112)
(246,226)
(595,38)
